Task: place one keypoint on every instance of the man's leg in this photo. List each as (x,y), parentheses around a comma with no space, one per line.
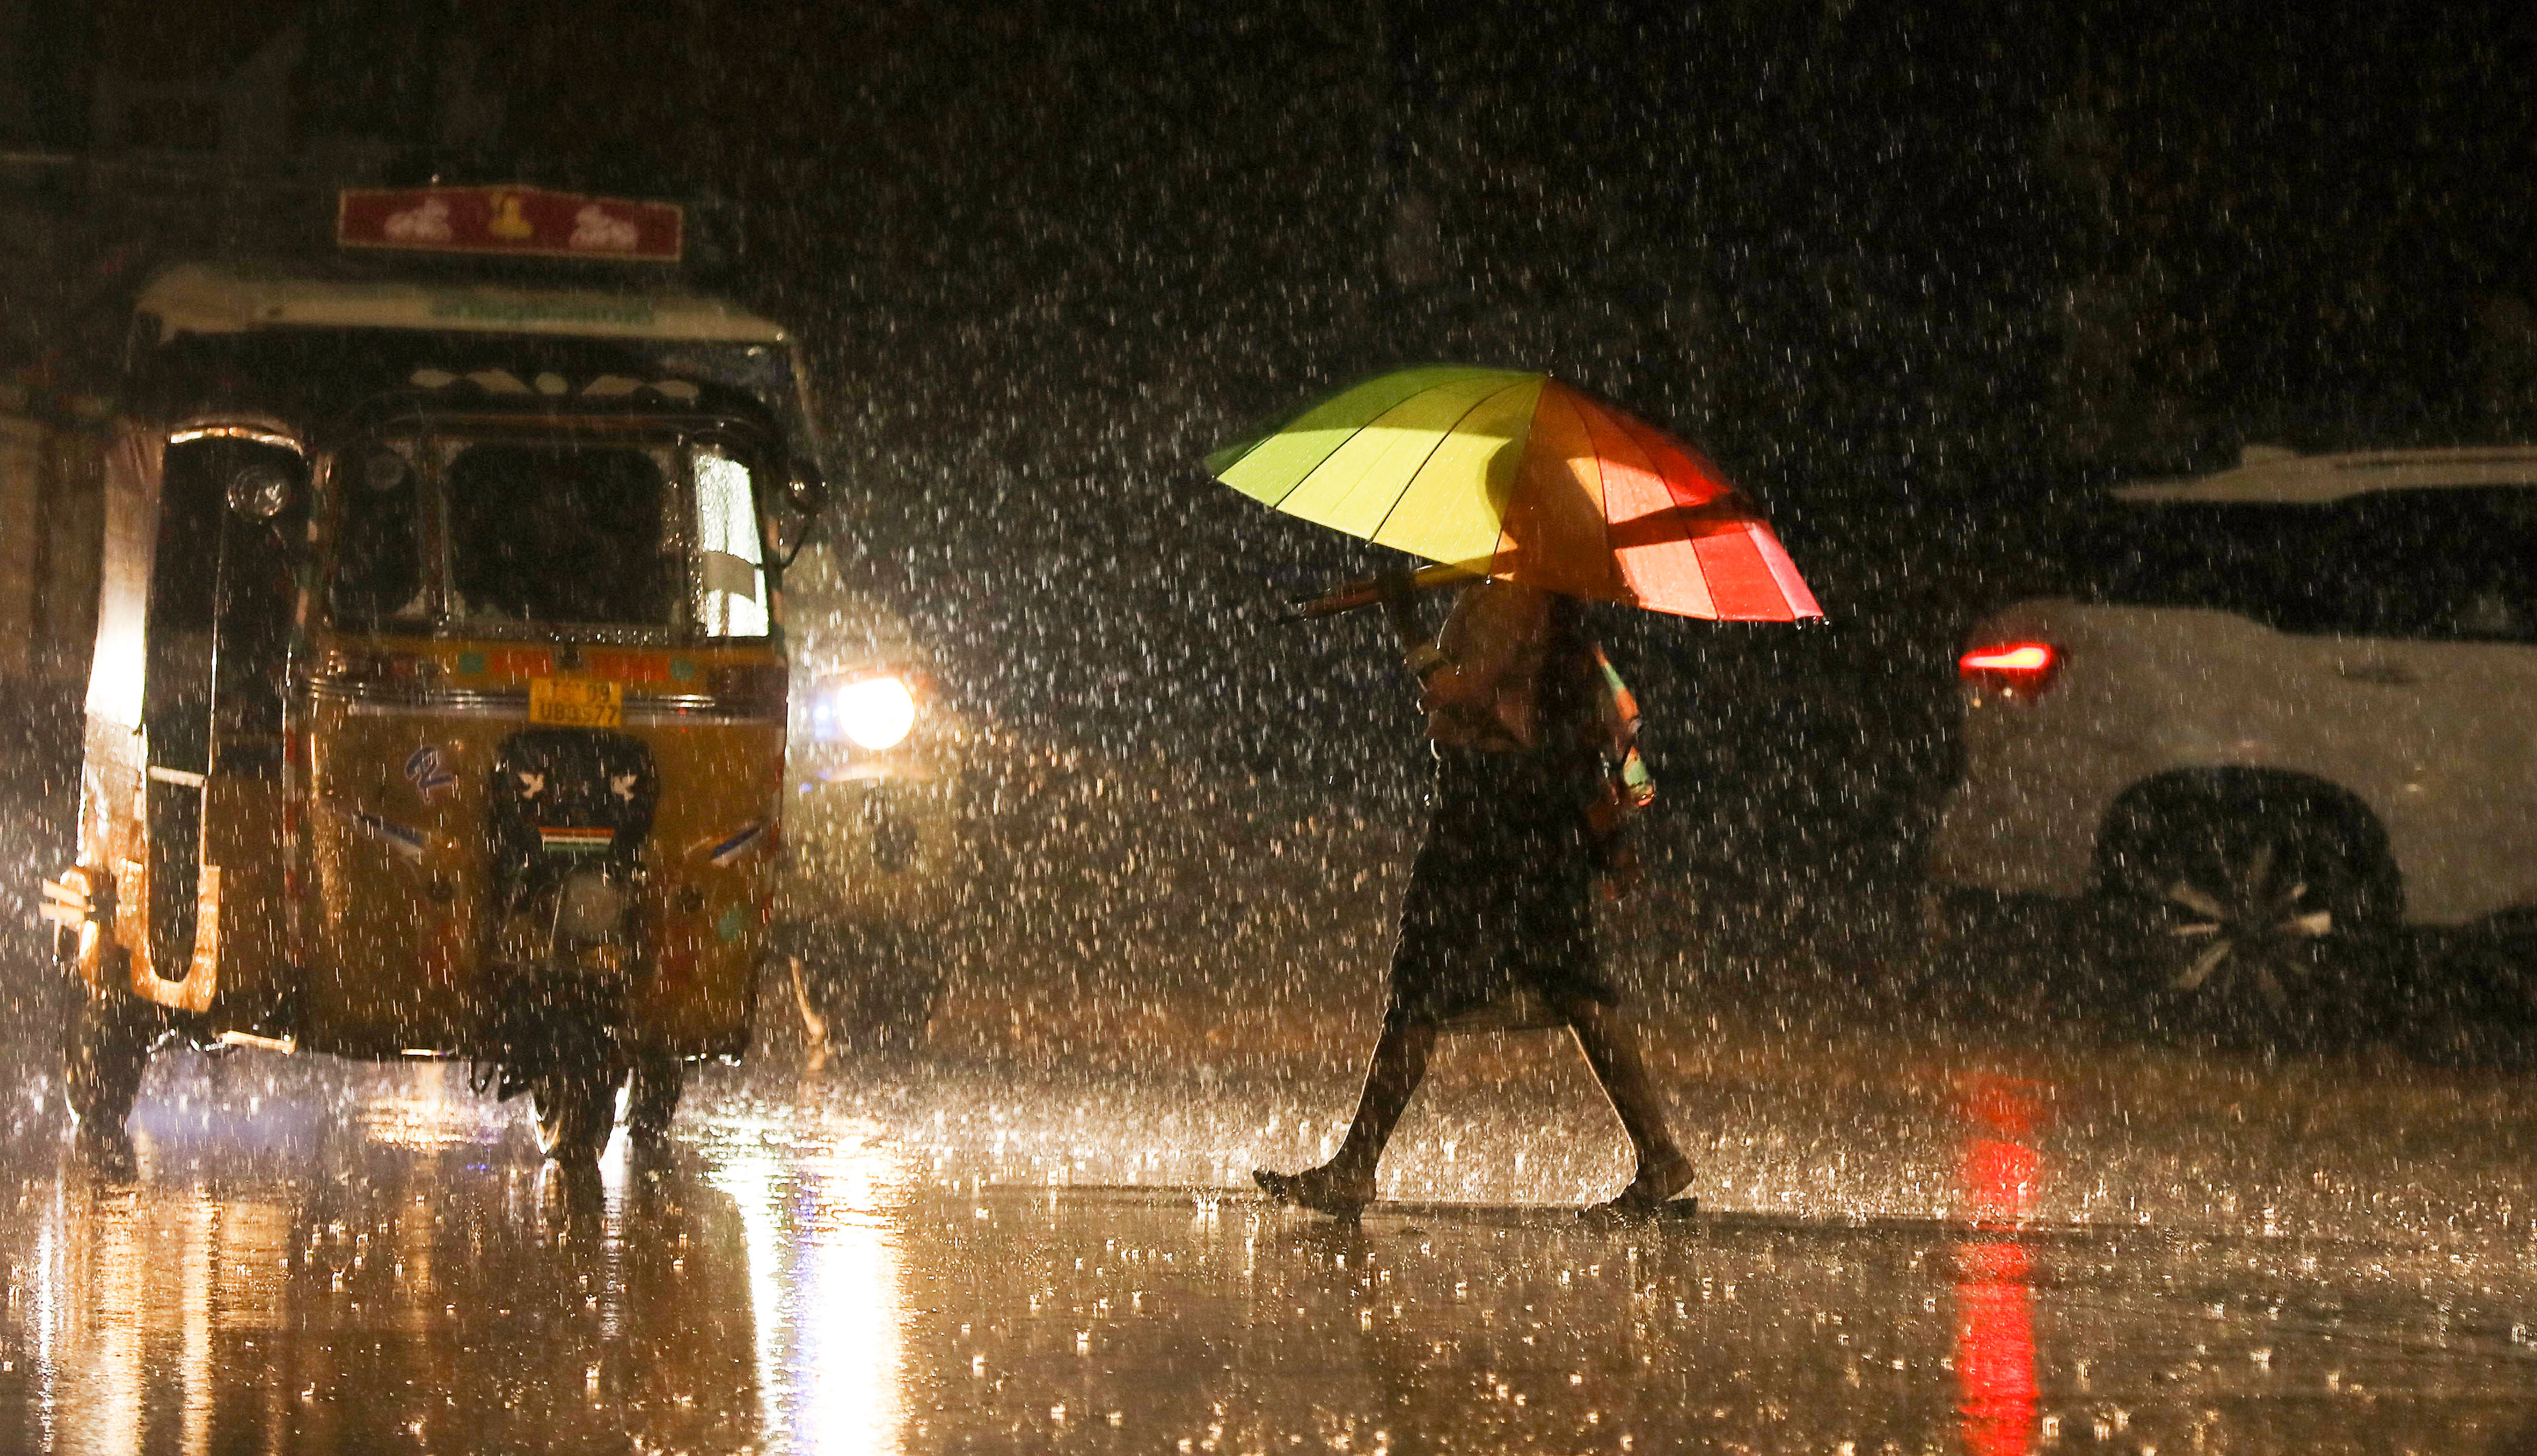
(1611,1047)
(1392,1077)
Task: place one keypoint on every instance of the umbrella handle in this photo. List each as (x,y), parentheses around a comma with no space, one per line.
(1368,592)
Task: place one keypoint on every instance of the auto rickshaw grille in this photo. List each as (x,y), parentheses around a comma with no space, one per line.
(569,811)
(567,799)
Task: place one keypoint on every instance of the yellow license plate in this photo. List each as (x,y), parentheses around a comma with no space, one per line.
(576,702)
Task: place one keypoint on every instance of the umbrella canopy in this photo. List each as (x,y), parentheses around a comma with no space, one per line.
(1524,479)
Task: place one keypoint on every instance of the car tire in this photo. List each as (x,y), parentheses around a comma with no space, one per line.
(2265,927)
(2476,1006)
(576,1113)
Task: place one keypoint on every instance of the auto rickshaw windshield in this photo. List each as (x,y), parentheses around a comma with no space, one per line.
(556,533)
(541,532)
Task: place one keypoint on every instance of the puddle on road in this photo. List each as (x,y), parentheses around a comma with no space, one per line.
(801,1280)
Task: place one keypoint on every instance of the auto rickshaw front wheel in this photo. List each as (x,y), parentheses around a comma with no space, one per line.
(105,1050)
(576,1112)
(652,1097)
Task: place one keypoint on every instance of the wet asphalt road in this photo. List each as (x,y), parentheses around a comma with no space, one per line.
(1906,1246)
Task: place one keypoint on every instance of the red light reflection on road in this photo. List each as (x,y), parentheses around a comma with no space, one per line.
(1995,1315)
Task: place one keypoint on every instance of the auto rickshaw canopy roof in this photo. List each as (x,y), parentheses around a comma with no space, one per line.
(240,298)
(316,381)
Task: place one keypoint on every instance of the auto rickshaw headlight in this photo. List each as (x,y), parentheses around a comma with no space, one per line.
(260,490)
(385,470)
(589,909)
(875,713)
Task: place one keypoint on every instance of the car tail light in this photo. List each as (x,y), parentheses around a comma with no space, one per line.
(2015,669)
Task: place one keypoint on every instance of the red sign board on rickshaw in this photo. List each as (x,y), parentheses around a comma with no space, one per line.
(527,221)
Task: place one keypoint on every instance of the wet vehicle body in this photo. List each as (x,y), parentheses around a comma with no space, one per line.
(2273,725)
(439,702)
(881,838)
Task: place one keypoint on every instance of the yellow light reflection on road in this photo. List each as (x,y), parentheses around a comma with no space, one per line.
(138,1291)
(422,1107)
(831,1339)
(850,1339)
(201,1241)
(48,1308)
(103,1309)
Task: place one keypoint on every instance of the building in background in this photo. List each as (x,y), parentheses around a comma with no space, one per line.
(133,136)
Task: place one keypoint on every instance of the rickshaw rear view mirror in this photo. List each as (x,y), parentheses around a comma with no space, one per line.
(260,490)
(805,489)
(384,470)
(805,499)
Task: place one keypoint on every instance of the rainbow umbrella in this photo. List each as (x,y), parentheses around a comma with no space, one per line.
(1518,477)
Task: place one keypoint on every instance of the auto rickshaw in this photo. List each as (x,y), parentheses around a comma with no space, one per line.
(439,710)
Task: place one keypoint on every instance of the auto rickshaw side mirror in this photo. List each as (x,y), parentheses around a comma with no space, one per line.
(805,500)
(805,489)
(260,490)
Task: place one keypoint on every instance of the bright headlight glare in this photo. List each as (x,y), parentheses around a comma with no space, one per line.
(877,711)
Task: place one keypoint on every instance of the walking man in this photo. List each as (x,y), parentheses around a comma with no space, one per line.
(1500,898)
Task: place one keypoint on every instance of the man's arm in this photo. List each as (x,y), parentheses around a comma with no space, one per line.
(1488,629)
(1400,607)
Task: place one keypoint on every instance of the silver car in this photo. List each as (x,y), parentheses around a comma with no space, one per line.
(2272,716)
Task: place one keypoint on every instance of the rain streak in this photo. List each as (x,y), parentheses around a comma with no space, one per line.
(1370,728)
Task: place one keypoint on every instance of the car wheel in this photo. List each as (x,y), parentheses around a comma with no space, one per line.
(2476,1005)
(576,1113)
(2263,928)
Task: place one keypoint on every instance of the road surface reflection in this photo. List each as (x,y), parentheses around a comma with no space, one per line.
(403,1276)
(1994,1316)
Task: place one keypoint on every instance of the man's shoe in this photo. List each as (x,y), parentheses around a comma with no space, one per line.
(1649,1195)
(1628,1210)
(1316,1188)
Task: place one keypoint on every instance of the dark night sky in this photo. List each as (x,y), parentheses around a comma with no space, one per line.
(1951,236)
(1941,241)
(1908,270)
(1874,216)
